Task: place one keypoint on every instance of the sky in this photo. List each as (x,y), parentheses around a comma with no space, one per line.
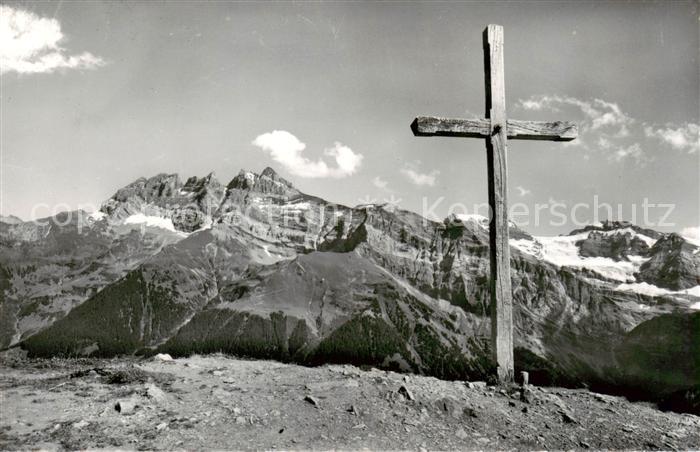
(96,94)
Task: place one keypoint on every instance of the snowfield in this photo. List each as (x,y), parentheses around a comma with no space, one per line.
(563,252)
(152,221)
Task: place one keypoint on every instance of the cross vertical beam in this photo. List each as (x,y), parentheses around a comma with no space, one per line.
(496,147)
(495,128)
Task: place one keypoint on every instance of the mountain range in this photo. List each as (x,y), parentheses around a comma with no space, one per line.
(257,268)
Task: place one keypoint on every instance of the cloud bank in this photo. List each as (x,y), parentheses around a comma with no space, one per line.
(598,113)
(29,44)
(604,126)
(287,150)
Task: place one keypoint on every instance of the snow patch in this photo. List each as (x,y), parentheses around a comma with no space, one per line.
(655,291)
(692,235)
(473,218)
(479,220)
(297,206)
(152,221)
(163,357)
(644,289)
(97,216)
(692,241)
(527,246)
(694,291)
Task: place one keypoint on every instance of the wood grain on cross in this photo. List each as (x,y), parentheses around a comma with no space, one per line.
(496,130)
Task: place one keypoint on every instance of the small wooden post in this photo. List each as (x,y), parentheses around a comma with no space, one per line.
(524,378)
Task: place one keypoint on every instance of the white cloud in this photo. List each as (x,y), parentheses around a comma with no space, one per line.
(604,143)
(597,112)
(417,178)
(380,183)
(287,150)
(684,138)
(603,126)
(29,44)
(633,151)
(522,191)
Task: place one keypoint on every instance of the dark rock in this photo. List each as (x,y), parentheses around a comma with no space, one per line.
(406,393)
(674,264)
(312,400)
(616,246)
(449,406)
(526,394)
(125,406)
(470,412)
(567,417)
(663,355)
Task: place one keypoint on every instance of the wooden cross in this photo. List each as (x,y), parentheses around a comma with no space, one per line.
(496,129)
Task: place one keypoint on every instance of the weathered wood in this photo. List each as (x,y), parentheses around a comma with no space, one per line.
(542,130)
(496,147)
(496,130)
(424,126)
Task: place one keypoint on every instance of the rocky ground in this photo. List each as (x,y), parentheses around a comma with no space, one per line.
(218,402)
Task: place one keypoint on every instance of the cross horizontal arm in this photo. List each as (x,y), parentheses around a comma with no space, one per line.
(480,128)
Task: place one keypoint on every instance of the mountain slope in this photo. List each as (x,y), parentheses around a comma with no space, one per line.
(260,269)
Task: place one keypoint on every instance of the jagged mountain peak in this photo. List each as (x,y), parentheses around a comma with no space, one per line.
(198,184)
(269,172)
(158,186)
(165,201)
(267,182)
(244,180)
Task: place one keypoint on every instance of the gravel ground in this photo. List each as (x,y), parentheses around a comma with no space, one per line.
(219,402)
